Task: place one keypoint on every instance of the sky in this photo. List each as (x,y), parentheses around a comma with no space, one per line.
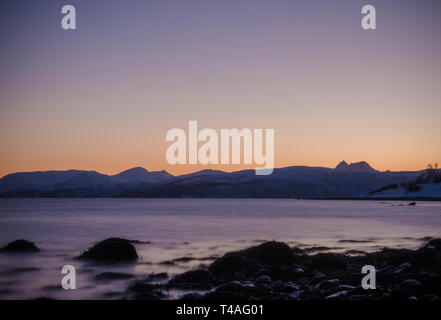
(102,97)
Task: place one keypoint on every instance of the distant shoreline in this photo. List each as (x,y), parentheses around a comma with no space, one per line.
(233,198)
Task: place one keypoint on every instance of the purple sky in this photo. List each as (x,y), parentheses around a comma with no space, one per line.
(102,97)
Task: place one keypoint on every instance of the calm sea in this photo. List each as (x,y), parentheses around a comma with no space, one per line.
(194,228)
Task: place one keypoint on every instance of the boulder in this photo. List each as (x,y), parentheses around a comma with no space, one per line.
(20,246)
(271,253)
(229,263)
(112,249)
(325,261)
(410,287)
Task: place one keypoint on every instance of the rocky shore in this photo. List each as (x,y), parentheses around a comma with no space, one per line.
(275,271)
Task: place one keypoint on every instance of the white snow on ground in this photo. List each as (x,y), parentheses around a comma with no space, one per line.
(431,190)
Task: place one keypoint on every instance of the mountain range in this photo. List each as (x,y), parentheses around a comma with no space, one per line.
(355,180)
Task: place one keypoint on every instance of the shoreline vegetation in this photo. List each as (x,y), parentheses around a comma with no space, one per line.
(274,271)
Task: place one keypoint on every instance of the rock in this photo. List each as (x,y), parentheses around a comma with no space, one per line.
(262,280)
(290,286)
(144,290)
(113,276)
(20,246)
(319,275)
(272,253)
(409,286)
(278,285)
(406,266)
(387,269)
(263,272)
(326,261)
(434,244)
(112,249)
(230,286)
(157,276)
(191,279)
(346,287)
(425,256)
(248,285)
(299,271)
(412,204)
(327,284)
(337,295)
(229,263)
(413,298)
(298,251)
(392,256)
(295,294)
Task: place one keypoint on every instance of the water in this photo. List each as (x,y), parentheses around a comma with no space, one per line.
(197,228)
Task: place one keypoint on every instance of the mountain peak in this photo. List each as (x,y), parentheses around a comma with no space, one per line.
(361,166)
(135,170)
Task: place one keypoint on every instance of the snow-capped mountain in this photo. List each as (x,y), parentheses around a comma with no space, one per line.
(345,181)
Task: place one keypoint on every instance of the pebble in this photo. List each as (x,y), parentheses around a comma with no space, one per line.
(404,267)
(262,280)
(409,286)
(295,294)
(232,285)
(327,284)
(337,295)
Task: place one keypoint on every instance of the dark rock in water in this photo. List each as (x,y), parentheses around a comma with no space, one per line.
(145,291)
(317,249)
(230,262)
(410,287)
(298,251)
(157,276)
(390,256)
(324,261)
(112,249)
(113,276)
(20,246)
(434,244)
(194,275)
(194,279)
(412,204)
(271,253)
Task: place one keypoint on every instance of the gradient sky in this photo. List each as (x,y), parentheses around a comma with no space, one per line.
(103,97)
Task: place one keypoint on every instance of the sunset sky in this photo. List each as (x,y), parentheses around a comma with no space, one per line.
(103,97)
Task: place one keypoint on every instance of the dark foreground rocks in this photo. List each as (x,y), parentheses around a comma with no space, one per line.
(112,250)
(20,246)
(273,270)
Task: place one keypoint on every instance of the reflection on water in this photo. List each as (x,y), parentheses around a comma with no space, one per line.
(187,233)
